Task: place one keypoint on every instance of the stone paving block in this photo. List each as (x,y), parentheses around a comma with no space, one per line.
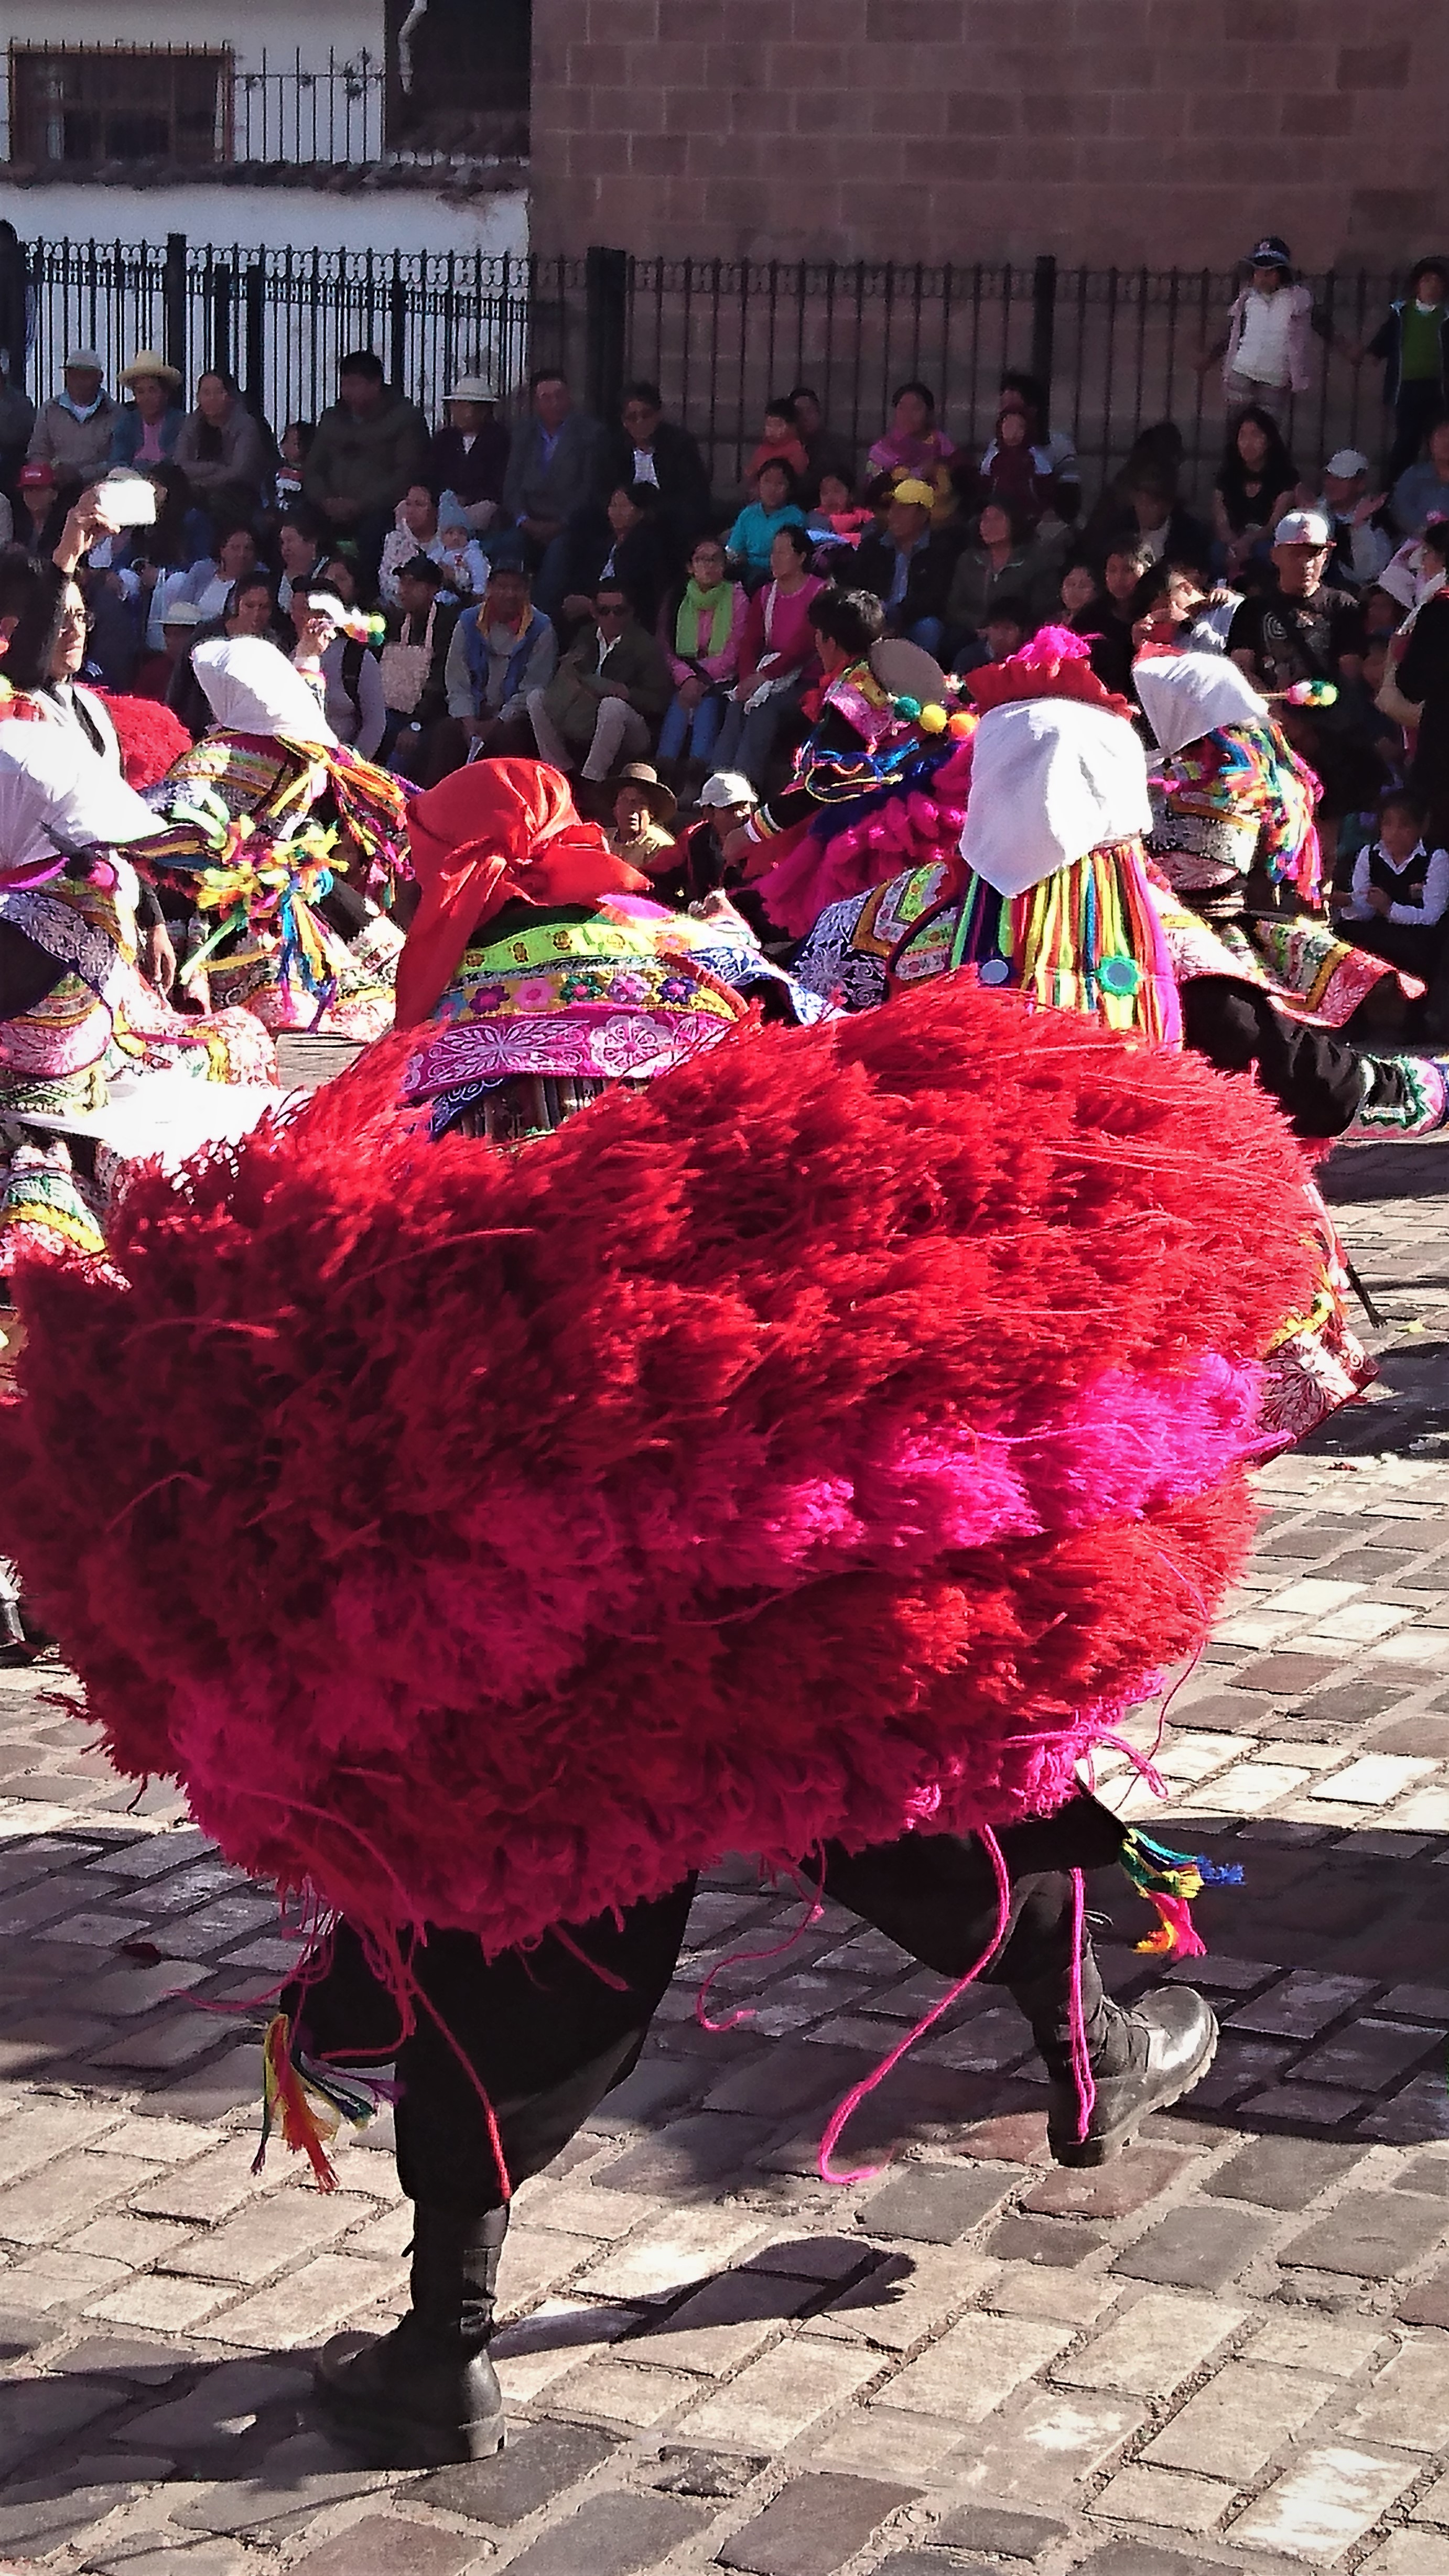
(1168,2499)
(224,2086)
(1282,2173)
(34,2132)
(1333,2347)
(1233,2426)
(1427,2303)
(723,2325)
(1373,2234)
(1310,2106)
(1433,2507)
(40,2413)
(1408,2404)
(285,2495)
(1419,2112)
(1302,2006)
(810,2258)
(1367,2056)
(611,2535)
(124,2357)
(1409,2553)
(224,2403)
(1112,2191)
(976,2366)
(43,2514)
(536,2350)
(46,2282)
(132,2241)
(783,2081)
(540,2463)
(1324,2503)
(166,2306)
(874,2441)
(131,2556)
(720,2475)
(994,2533)
(386,2545)
(1062,2242)
(534,2260)
(936,2204)
(305,2305)
(204,2190)
(1137,2558)
(1044,2447)
(904,2298)
(635,2105)
(684,2246)
(1196,2248)
(1159,2341)
(270,2234)
(777,2399)
(813,2526)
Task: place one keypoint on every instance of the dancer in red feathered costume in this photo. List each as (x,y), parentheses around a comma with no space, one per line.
(812,1451)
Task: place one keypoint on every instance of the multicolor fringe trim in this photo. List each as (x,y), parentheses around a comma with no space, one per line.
(1171,1880)
(310,2102)
(1087,938)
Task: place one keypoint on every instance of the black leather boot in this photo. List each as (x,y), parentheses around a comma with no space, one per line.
(1142,2060)
(427,2394)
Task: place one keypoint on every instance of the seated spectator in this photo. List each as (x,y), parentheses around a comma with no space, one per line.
(42,509)
(1267,346)
(1363,542)
(781,444)
(414,661)
(154,673)
(414,531)
(1159,450)
(300,538)
(1413,342)
(499,652)
(1110,628)
(250,609)
(826,454)
(145,430)
(1004,558)
(837,518)
(913,444)
(1164,525)
(470,453)
(701,630)
(1169,609)
(647,448)
(1255,485)
(1302,630)
(17,424)
(1013,470)
(777,656)
(352,681)
(222,451)
(1400,891)
(72,432)
(1010,623)
(725,801)
(626,542)
(607,695)
(212,583)
(1080,596)
(464,565)
(369,446)
(294,448)
(1027,394)
(910,569)
(642,809)
(760,521)
(555,466)
(1422,491)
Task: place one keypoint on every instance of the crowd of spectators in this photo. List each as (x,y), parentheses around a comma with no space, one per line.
(580,589)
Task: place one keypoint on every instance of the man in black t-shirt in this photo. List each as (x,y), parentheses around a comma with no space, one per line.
(1302,630)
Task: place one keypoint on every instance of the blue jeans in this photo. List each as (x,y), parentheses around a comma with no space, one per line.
(697,729)
(747,741)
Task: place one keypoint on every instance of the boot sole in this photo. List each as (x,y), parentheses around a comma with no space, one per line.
(394,2441)
(1104,2150)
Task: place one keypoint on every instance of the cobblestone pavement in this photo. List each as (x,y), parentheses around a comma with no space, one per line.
(1231,2349)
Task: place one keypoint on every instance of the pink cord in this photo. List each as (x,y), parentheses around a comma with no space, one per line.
(846,2110)
(605,1976)
(1082,2075)
(738,1958)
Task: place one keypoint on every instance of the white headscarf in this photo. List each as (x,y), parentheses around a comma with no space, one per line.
(56,796)
(1186,695)
(1050,780)
(251,687)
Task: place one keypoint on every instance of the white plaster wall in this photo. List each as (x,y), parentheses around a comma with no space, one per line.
(344,27)
(298,219)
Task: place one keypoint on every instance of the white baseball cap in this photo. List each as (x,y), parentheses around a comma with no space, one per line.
(1302,528)
(727,787)
(1348,462)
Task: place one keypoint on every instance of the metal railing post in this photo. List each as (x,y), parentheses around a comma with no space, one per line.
(606,306)
(253,327)
(1043,320)
(173,301)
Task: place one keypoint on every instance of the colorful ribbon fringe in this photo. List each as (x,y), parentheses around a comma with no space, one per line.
(310,2102)
(1171,1880)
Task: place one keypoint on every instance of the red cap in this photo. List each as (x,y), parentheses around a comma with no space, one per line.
(36,473)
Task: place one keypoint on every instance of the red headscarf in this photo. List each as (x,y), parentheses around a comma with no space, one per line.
(489,834)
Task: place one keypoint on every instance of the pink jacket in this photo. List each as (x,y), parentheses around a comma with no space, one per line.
(720,666)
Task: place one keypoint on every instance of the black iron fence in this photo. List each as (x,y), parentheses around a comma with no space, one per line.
(1119,349)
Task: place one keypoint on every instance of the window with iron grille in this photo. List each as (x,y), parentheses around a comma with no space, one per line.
(142,103)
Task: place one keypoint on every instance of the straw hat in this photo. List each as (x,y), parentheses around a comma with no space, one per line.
(477,389)
(149,362)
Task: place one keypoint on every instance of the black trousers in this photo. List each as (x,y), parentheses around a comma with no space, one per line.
(546,2036)
(1419,405)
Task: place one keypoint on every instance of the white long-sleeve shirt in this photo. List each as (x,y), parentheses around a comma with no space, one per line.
(1414,916)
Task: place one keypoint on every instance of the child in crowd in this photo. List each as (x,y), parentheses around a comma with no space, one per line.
(296,439)
(1400,891)
(781,444)
(760,521)
(463,560)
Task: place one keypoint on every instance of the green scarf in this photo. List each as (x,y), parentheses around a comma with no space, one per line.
(703,624)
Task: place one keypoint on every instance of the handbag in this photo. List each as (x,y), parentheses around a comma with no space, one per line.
(405,669)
